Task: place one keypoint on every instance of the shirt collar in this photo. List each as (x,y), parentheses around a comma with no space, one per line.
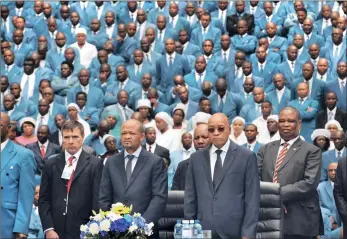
(172,55)
(45,144)
(252,144)
(342,80)
(342,151)
(281,91)
(290,142)
(3,144)
(76,155)
(225,148)
(202,29)
(333,111)
(187,150)
(136,153)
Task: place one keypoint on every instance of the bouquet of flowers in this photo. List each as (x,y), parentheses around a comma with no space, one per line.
(116,224)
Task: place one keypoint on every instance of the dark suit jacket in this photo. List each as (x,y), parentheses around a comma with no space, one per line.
(160,151)
(340,192)
(211,205)
(40,161)
(298,176)
(233,19)
(179,180)
(146,191)
(322,119)
(54,138)
(83,196)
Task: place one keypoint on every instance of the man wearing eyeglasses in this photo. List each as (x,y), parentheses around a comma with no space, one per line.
(222,185)
(296,166)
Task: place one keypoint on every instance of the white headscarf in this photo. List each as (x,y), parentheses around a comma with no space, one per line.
(320,132)
(335,122)
(202,117)
(73,105)
(273,117)
(239,118)
(104,138)
(166,117)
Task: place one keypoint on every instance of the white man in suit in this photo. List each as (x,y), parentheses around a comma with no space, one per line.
(200,140)
(295,165)
(208,192)
(17,185)
(135,176)
(42,149)
(69,186)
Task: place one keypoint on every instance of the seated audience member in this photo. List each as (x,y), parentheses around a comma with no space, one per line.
(333,126)
(201,140)
(331,112)
(251,132)
(199,117)
(331,219)
(272,127)
(27,126)
(42,149)
(95,139)
(114,123)
(147,114)
(35,227)
(73,115)
(261,121)
(237,135)
(252,110)
(166,137)
(321,139)
(178,117)
(56,137)
(180,155)
(13,132)
(334,155)
(110,143)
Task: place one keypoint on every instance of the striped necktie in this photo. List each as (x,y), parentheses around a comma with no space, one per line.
(279,161)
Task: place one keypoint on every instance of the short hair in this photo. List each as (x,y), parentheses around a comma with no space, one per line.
(148,128)
(302,10)
(4,76)
(30,59)
(203,98)
(209,41)
(81,93)
(45,80)
(70,65)
(71,125)
(20,17)
(293,109)
(206,14)
(256,128)
(267,101)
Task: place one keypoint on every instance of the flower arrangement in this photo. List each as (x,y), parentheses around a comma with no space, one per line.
(115,224)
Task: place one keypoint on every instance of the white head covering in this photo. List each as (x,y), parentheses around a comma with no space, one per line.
(105,137)
(273,117)
(239,118)
(202,117)
(73,105)
(335,122)
(27,119)
(320,132)
(143,103)
(81,31)
(166,117)
(179,106)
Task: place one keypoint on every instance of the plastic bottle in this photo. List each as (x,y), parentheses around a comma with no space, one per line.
(178,230)
(186,232)
(197,230)
(191,226)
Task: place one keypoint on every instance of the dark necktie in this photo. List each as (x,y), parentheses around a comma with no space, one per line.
(125,113)
(221,105)
(217,168)
(128,168)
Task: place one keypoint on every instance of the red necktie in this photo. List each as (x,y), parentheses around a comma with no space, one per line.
(43,151)
(72,175)
(279,161)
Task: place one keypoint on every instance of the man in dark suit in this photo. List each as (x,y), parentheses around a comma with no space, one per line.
(296,166)
(69,186)
(240,14)
(151,146)
(56,137)
(42,149)
(201,140)
(331,112)
(340,193)
(135,176)
(208,192)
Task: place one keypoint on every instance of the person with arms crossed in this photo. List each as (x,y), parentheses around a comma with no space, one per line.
(135,176)
(297,169)
(228,172)
(69,190)
(17,185)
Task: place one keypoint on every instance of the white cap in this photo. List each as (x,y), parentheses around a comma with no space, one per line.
(105,137)
(143,103)
(166,117)
(202,117)
(239,118)
(81,31)
(73,105)
(320,132)
(179,106)
(27,119)
(335,122)
(273,117)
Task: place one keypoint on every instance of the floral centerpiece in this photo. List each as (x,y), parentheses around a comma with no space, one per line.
(116,224)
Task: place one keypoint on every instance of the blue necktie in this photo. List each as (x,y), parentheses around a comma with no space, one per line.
(128,168)
(338,155)
(170,62)
(26,89)
(261,69)
(200,79)
(221,105)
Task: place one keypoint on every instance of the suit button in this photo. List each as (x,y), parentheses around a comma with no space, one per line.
(7,174)
(2,187)
(64,213)
(214,199)
(65,199)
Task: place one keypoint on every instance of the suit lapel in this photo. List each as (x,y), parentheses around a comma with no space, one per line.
(328,187)
(291,152)
(141,161)
(49,149)
(121,168)
(207,167)
(7,154)
(82,162)
(38,150)
(60,163)
(273,150)
(232,152)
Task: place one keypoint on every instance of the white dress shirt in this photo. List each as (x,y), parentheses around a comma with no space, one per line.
(3,144)
(321,77)
(331,112)
(174,19)
(307,37)
(340,82)
(45,119)
(224,97)
(123,84)
(109,30)
(213,155)
(99,11)
(74,162)
(187,152)
(51,106)
(309,82)
(252,145)
(269,18)
(133,15)
(222,14)
(137,68)
(325,23)
(85,89)
(87,53)
(153,146)
(342,151)
(197,76)
(291,65)
(168,58)
(225,54)
(31,84)
(160,34)
(134,160)
(290,143)
(338,49)
(280,93)
(261,65)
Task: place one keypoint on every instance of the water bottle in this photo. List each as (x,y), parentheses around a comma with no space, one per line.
(191,226)
(197,230)
(186,233)
(178,229)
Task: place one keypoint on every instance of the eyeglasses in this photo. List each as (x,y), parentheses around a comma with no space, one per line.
(220,129)
(332,170)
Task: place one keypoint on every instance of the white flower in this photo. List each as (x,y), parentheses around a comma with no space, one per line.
(118,204)
(150,225)
(94,229)
(98,217)
(132,228)
(105,225)
(83,228)
(113,216)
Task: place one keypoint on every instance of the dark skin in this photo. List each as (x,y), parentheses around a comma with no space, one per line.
(9,102)
(43,107)
(240,57)
(83,77)
(150,135)
(29,67)
(183,94)
(272,127)
(247,68)
(225,42)
(145,45)
(105,72)
(200,64)
(121,73)
(330,100)
(81,101)
(266,109)
(111,146)
(205,106)
(248,85)
(122,98)
(206,88)
(307,71)
(187,140)
(251,133)
(289,123)
(314,51)
(279,81)
(15,90)
(138,57)
(339,140)
(43,134)
(169,46)
(258,94)
(4,83)
(103,128)
(59,120)
(95,25)
(18,36)
(342,70)
(221,87)
(48,94)
(178,117)
(292,53)
(4,12)
(146,81)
